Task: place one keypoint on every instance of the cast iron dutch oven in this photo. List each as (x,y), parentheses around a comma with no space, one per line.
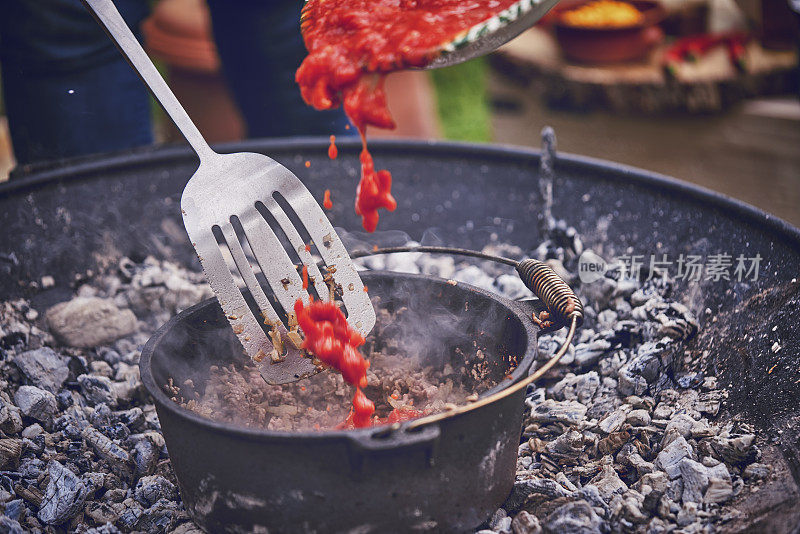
(448,474)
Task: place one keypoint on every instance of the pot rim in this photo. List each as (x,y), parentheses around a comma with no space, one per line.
(161,398)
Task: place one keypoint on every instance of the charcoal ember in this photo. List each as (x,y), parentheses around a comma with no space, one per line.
(31,468)
(64,399)
(94,482)
(109,355)
(88,322)
(114,482)
(10,451)
(588,354)
(116,431)
(638,418)
(551,411)
(131,511)
(160,517)
(682,425)
(100,512)
(43,368)
(644,368)
(626,509)
(613,421)
(687,515)
(151,489)
(567,447)
(608,483)
(101,415)
(10,415)
(629,455)
(574,517)
(115,455)
(98,389)
(719,490)
(523,489)
(32,431)
(657,481)
(15,509)
(78,365)
(30,493)
(499,515)
(511,286)
(695,480)
(64,496)
(128,383)
(145,457)
(36,403)
(10,526)
(101,368)
(132,418)
(735,450)
(526,523)
(669,457)
(580,388)
(709,402)
(502,525)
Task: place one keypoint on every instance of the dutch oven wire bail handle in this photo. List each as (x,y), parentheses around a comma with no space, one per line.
(564,307)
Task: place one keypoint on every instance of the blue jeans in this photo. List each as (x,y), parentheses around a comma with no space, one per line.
(68,91)
(66,88)
(260,47)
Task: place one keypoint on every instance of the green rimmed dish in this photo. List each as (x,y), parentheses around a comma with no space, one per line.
(490,34)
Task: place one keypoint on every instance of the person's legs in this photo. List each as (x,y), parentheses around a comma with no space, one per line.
(260,46)
(67,90)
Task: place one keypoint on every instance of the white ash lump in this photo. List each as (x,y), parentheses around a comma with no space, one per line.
(616,439)
(80,444)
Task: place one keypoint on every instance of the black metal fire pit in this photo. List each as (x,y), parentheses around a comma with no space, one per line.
(69,219)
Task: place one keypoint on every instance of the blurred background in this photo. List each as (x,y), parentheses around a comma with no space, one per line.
(702,90)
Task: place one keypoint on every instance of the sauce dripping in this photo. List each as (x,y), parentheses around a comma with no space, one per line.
(332,150)
(335,343)
(353,44)
(326,200)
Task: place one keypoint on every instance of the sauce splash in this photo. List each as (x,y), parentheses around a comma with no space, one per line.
(353,44)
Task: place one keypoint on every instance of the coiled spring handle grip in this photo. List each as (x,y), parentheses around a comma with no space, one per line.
(561,302)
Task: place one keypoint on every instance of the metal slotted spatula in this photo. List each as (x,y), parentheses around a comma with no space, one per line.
(245,214)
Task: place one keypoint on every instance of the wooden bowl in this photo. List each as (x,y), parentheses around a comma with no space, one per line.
(610,45)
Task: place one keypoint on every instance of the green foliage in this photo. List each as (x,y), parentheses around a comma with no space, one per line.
(462,101)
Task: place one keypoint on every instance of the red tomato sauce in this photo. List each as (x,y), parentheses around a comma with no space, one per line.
(330,338)
(348,40)
(326,200)
(332,150)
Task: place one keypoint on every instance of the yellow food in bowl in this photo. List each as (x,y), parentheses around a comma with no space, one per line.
(603,14)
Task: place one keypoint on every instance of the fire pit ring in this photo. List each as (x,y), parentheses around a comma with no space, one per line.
(234,478)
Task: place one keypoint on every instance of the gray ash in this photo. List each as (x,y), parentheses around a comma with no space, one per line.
(618,437)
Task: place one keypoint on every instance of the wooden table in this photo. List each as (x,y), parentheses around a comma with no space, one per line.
(711,84)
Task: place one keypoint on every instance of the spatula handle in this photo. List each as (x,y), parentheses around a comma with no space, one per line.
(109,18)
